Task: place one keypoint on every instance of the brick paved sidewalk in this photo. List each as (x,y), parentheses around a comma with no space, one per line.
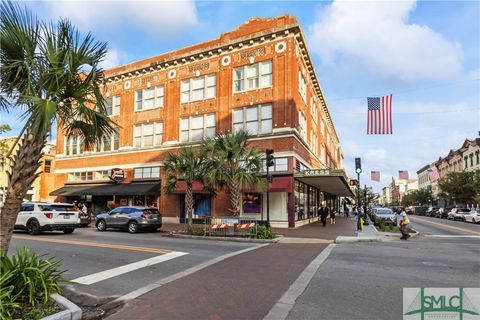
(342,227)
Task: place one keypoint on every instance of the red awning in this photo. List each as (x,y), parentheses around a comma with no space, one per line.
(279,184)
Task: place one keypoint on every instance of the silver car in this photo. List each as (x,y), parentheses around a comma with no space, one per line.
(384,214)
(130,218)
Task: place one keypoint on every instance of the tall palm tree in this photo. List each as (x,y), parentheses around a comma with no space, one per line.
(52,74)
(189,165)
(234,164)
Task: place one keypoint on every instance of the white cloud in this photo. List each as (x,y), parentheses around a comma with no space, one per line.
(377,36)
(158,18)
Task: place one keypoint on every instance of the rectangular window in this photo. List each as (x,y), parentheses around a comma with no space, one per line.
(281,164)
(112,106)
(256,120)
(199,88)
(48,166)
(147,173)
(302,125)
(253,76)
(148,134)
(102,175)
(73,145)
(80,176)
(110,142)
(197,128)
(150,98)
(302,85)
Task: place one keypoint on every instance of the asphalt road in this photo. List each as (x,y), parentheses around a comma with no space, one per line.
(366,280)
(87,252)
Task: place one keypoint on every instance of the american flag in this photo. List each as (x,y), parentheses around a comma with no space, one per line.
(379,119)
(433,174)
(403,174)
(375,175)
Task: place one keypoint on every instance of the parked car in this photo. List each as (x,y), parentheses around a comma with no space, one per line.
(419,211)
(431,212)
(451,213)
(443,212)
(473,216)
(36,217)
(132,219)
(385,215)
(460,213)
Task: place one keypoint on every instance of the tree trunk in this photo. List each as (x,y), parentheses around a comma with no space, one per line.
(22,175)
(189,205)
(235,197)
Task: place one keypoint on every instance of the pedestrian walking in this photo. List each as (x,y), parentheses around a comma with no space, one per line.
(359,219)
(404,222)
(324,215)
(332,216)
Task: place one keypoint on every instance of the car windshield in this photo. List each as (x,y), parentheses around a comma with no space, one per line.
(384,211)
(57,207)
(464,210)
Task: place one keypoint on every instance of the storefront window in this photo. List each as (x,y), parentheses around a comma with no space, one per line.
(313,202)
(300,200)
(252,203)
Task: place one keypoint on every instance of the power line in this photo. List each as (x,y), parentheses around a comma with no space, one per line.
(420,112)
(408,90)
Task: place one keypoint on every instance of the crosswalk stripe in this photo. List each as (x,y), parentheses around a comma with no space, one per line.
(107,274)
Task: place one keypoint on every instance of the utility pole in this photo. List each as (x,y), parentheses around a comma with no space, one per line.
(269,163)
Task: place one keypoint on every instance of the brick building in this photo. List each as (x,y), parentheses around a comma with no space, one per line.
(259,77)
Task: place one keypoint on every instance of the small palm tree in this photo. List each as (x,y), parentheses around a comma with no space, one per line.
(52,74)
(189,165)
(234,164)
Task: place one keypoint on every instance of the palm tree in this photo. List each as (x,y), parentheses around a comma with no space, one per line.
(52,74)
(189,165)
(233,163)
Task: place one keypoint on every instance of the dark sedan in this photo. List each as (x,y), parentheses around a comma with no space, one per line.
(132,219)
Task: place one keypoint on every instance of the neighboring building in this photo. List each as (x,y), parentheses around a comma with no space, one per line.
(453,162)
(386,196)
(398,188)
(42,186)
(259,77)
(470,153)
(426,181)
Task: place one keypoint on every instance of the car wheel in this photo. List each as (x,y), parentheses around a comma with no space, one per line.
(68,230)
(33,227)
(101,225)
(132,227)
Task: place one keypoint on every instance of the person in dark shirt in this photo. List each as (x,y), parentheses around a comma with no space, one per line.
(332,216)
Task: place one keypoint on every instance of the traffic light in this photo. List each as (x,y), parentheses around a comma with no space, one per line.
(353,182)
(270,157)
(358,165)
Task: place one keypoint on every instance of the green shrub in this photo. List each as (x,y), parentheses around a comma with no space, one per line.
(265,233)
(27,279)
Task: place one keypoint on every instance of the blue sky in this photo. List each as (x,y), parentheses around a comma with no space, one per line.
(427,54)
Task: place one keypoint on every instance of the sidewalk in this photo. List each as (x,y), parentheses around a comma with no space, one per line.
(342,227)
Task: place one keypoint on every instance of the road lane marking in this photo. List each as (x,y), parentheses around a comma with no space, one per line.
(450,236)
(96,244)
(284,305)
(447,226)
(157,284)
(107,274)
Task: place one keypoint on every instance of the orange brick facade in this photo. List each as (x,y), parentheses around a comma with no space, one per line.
(299,129)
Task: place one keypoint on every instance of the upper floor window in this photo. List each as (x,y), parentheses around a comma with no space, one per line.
(149,98)
(477,154)
(80,176)
(280,164)
(148,134)
(252,76)
(313,141)
(110,142)
(199,88)
(147,173)
(322,128)
(256,119)
(197,128)
(48,166)
(73,145)
(112,106)
(322,152)
(466,162)
(471,159)
(302,85)
(302,125)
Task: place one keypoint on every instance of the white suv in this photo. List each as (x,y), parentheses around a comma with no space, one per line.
(36,217)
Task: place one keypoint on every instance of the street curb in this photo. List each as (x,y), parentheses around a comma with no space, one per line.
(345,239)
(394,234)
(233,239)
(71,312)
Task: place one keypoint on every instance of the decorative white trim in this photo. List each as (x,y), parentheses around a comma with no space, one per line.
(127,85)
(281,47)
(226,61)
